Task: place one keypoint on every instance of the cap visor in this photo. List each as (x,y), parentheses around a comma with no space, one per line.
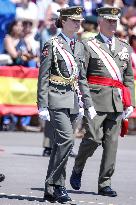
(78,18)
(111,17)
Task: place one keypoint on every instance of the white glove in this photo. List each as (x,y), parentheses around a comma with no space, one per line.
(81,112)
(127,112)
(44,114)
(92,113)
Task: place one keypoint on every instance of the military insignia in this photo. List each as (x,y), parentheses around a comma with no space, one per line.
(124,65)
(124,55)
(78,11)
(99,62)
(114,11)
(45,52)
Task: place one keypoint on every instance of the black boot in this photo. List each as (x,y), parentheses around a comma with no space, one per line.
(48,193)
(61,194)
(49,197)
(107,191)
(75,180)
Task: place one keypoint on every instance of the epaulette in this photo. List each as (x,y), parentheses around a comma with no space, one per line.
(123,40)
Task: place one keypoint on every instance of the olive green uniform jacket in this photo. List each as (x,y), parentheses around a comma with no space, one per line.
(57,96)
(107,98)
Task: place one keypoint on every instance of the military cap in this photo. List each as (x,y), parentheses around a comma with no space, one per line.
(74,12)
(109,12)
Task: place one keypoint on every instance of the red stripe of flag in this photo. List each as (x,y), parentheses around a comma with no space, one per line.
(20,110)
(18,72)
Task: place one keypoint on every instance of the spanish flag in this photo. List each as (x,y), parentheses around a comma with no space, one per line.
(18,90)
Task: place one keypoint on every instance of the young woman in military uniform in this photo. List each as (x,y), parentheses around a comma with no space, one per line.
(59,97)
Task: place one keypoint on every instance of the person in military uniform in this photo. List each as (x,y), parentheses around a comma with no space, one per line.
(59,98)
(111,84)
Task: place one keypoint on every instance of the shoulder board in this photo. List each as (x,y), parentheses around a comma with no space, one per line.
(123,40)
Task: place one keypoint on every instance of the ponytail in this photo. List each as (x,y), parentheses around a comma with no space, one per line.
(58,22)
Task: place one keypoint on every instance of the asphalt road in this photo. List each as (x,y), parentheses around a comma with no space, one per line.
(25,169)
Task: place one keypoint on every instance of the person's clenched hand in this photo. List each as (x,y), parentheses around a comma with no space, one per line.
(127,112)
(44,114)
(92,112)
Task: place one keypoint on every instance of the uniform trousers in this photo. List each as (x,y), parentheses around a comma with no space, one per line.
(48,134)
(103,130)
(63,142)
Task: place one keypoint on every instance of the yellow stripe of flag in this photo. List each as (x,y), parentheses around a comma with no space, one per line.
(18,91)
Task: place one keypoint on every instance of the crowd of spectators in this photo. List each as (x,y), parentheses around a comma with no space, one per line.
(25,25)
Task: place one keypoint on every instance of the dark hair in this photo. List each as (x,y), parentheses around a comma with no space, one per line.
(26,22)
(58,22)
(11,25)
(131,38)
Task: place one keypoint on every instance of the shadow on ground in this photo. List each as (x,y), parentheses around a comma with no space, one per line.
(28,155)
(29,198)
(81,192)
(69,191)
(19,197)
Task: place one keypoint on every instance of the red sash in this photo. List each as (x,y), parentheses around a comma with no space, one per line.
(126,97)
(124,128)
